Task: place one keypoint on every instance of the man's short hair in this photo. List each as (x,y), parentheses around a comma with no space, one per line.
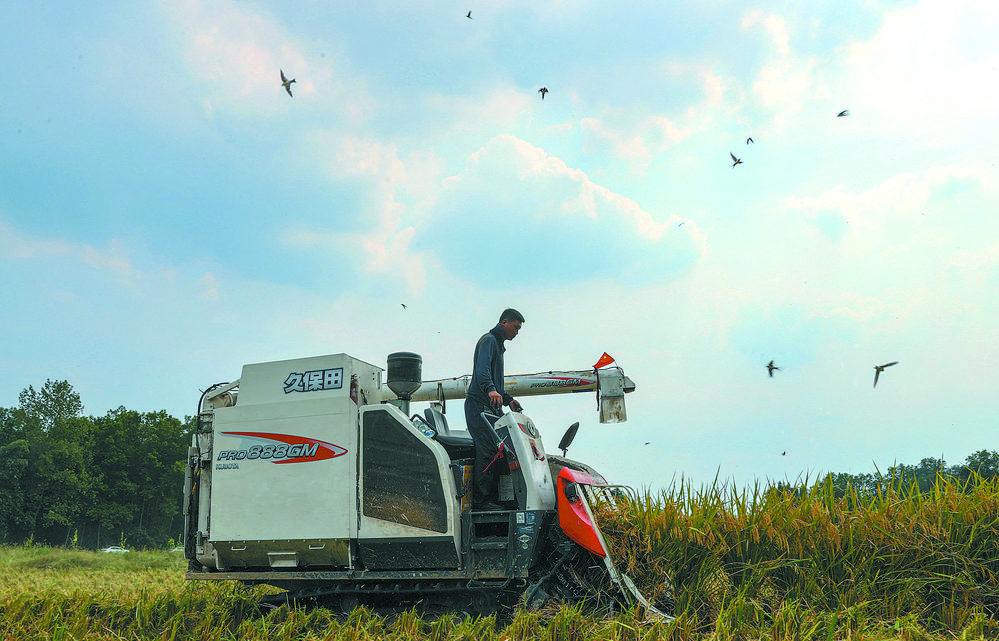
(510,314)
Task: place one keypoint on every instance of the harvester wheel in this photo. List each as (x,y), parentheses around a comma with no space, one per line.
(484,602)
(349,602)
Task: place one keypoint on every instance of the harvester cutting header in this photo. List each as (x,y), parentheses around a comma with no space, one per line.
(314,476)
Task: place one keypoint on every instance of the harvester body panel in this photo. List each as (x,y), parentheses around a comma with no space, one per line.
(286,479)
(410,515)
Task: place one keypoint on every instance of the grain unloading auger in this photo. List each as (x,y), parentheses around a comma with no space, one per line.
(312,476)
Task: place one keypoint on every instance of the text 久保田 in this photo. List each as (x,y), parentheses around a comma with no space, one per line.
(314,381)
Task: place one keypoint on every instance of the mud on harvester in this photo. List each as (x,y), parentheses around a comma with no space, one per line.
(312,476)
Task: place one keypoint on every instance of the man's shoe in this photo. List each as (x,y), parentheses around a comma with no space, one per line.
(487,507)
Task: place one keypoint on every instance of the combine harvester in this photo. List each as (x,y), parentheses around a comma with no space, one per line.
(312,476)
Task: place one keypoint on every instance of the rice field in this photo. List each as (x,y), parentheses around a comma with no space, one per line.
(763,563)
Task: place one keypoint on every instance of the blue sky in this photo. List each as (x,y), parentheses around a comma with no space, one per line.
(168,213)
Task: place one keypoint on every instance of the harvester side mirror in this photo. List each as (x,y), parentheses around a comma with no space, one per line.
(567,437)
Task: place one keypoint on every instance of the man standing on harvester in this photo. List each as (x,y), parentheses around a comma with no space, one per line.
(485,394)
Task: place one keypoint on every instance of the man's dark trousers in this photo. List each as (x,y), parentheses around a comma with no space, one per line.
(484,482)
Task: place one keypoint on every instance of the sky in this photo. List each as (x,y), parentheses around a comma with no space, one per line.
(169,213)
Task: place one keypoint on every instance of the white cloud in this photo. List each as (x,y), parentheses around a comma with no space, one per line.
(389,176)
(383,252)
(633,139)
(775,26)
(499,107)
(924,79)
(896,210)
(356,157)
(915,258)
(932,66)
(17,246)
(715,89)
(786,82)
(114,259)
(399,192)
(518,214)
(209,286)
(641,137)
(237,54)
(414,218)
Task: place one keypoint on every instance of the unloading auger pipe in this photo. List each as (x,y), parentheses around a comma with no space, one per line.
(517,385)
(611,381)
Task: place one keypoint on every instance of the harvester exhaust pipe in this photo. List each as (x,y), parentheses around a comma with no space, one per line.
(405,375)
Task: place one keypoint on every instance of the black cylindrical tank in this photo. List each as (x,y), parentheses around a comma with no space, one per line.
(405,373)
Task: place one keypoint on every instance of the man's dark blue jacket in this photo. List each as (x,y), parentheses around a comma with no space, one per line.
(487,369)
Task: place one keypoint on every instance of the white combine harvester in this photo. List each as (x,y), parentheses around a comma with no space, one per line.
(313,476)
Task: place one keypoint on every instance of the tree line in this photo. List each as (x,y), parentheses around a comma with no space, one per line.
(73,480)
(89,481)
(979,466)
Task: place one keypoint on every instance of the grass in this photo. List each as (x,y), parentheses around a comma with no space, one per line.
(764,563)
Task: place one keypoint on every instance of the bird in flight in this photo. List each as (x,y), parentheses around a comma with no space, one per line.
(771,367)
(404,305)
(286,83)
(845,112)
(735,161)
(543,91)
(469,15)
(750,140)
(880,368)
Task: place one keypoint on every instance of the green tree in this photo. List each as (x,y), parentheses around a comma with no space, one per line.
(843,482)
(983,463)
(163,448)
(55,403)
(13,467)
(50,441)
(924,475)
(114,508)
(139,474)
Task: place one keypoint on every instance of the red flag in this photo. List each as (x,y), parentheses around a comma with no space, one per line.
(606,359)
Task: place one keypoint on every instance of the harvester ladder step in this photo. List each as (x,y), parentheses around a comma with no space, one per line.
(490,545)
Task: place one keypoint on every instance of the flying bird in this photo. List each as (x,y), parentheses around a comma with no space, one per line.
(404,305)
(286,83)
(735,161)
(469,15)
(845,112)
(771,367)
(750,140)
(880,368)
(543,91)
